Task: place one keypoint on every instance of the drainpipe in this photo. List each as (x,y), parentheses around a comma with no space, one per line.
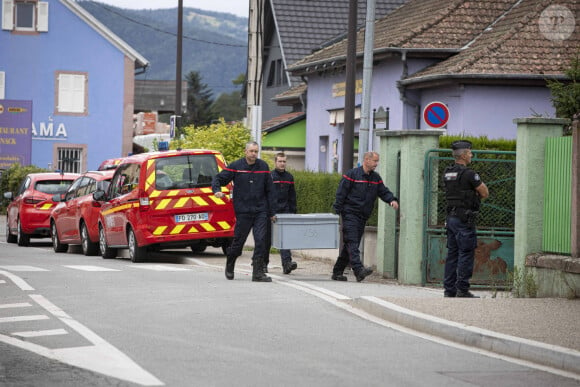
(402,94)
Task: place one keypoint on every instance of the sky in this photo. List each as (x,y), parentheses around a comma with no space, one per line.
(237,7)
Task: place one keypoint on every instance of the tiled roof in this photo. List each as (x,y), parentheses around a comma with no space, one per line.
(293,93)
(493,36)
(304,25)
(281,121)
(516,45)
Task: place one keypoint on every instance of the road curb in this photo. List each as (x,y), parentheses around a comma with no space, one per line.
(554,356)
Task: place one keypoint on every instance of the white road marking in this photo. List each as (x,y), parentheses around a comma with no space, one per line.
(24,318)
(17,280)
(2,282)
(90,268)
(19,305)
(157,267)
(102,357)
(22,268)
(48,332)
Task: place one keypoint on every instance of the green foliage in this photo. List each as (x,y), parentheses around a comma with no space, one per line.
(566,96)
(199,101)
(231,107)
(11,179)
(315,191)
(229,139)
(479,143)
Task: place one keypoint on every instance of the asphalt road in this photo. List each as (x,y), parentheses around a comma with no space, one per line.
(69,320)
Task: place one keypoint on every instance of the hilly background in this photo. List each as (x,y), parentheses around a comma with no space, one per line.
(214,43)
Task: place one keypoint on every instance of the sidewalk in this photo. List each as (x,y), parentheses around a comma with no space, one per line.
(540,330)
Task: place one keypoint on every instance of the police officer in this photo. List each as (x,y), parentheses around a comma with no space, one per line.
(464,191)
(355,199)
(285,203)
(253,198)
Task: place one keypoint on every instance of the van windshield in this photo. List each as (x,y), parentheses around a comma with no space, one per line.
(192,171)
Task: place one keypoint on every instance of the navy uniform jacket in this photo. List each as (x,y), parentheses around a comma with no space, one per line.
(357,192)
(285,202)
(253,187)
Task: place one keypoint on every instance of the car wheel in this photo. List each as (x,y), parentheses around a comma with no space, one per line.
(136,253)
(198,247)
(21,238)
(106,251)
(89,247)
(10,238)
(56,245)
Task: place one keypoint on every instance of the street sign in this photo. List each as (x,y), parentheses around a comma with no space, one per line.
(436,114)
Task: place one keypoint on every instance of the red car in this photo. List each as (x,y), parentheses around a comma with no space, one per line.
(28,213)
(110,164)
(74,220)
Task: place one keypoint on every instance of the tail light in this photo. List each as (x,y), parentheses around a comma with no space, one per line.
(33,200)
(143,201)
(96,204)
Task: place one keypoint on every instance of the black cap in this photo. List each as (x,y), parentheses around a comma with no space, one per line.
(461,144)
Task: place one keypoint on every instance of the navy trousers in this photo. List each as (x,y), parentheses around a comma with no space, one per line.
(353,227)
(259,224)
(461,244)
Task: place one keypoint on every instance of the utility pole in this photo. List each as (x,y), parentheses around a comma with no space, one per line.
(178,68)
(364,129)
(349,98)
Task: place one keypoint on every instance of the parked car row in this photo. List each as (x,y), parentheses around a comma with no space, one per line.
(149,202)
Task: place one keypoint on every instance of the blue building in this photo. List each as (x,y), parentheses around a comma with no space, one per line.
(79,76)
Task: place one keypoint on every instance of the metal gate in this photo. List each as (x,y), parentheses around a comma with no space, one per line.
(494,256)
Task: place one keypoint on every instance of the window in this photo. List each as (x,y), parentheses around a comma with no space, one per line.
(25,15)
(71,93)
(276,74)
(2,83)
(69,159)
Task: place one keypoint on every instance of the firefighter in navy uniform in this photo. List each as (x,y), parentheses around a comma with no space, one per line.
(253,198)
(355,199)
(464,191)
(285,203)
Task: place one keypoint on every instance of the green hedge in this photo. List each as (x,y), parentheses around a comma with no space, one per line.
(11,179)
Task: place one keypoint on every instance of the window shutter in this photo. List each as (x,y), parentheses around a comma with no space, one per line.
(2,83)
(7,15)
(71,93)
(42,8)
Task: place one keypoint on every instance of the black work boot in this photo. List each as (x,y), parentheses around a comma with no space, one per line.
(465,294)
(230,266)
(258,272)
(363,273)
(339,277)
(288,267)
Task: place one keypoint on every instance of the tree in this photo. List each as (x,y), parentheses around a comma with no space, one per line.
(199,101)
(229,139)
(566,96)
(231,107)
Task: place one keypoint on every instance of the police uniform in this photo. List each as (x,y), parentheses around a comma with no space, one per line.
(355,199)
(284,203)
(463,204)
(253,197)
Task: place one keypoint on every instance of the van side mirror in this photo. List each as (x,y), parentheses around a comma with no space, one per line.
(99,196)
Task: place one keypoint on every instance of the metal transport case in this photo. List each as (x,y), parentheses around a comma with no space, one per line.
(305,231)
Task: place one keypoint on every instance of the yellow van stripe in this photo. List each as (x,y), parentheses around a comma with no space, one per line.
(217,200)
(208,227)
(173,192)
(206,190)
(181,202)
(193,229)
(200,201)
(177,229)
(225,225)
(46,206)
(120,208)
(159,230)
(162,204)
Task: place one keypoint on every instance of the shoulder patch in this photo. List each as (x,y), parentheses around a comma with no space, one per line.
(476,177)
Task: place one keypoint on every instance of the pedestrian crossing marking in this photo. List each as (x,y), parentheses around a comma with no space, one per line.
(90,268)
(2,282)
(24,318)
(48,332)
(22,268)
(158,267)
(18,305)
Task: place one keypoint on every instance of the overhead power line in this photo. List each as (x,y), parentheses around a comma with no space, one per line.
(166,32)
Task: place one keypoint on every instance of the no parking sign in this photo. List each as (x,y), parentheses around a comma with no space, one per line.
(436,114)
